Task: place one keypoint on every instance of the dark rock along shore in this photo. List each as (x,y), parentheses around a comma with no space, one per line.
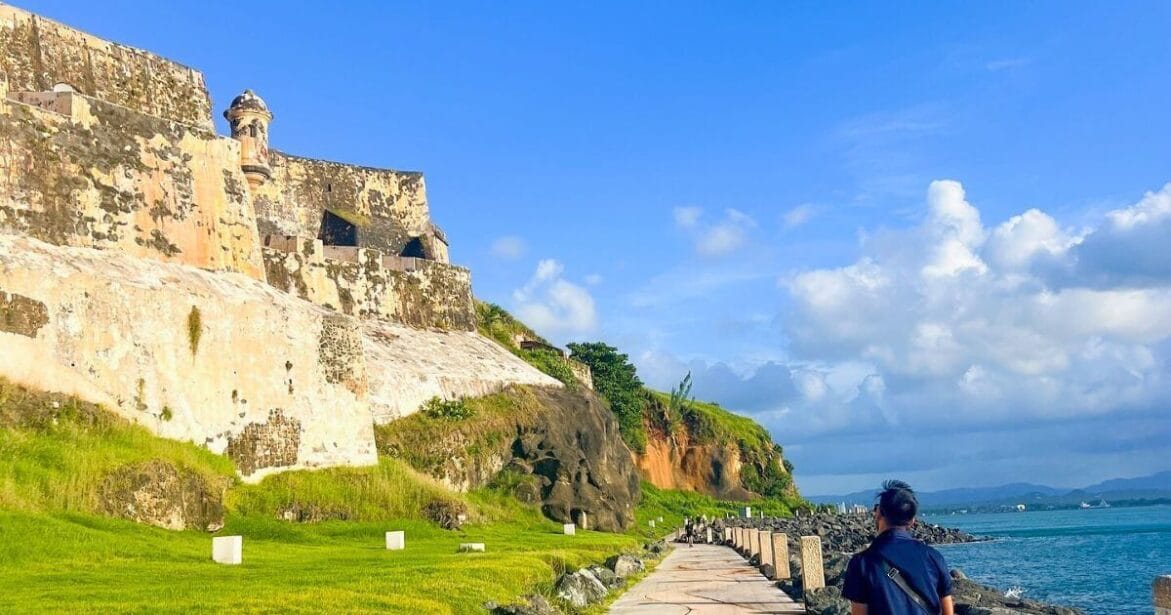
(844,535)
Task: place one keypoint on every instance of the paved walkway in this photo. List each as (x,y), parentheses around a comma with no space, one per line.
(704,580)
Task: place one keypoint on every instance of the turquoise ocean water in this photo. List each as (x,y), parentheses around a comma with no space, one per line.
(1101,560)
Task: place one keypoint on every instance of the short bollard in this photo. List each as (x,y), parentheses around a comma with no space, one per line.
(812,567)
(727,534)
(471,547)
(569,529)
(747,512)
(781,557)
(753,544)
(396,541)
(651,523)
(709,535)
(227,549)
(766,548)
(1162,593)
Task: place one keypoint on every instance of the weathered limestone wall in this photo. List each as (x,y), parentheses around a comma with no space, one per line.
(387,207)
(218,359)
(367,283)
(82,172)
(408,366)
(38,53)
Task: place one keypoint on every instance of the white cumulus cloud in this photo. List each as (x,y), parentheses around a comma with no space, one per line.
(554,306)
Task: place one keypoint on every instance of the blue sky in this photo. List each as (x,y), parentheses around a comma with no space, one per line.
(910,239)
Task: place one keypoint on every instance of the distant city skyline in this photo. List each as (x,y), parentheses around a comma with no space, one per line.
(923,241)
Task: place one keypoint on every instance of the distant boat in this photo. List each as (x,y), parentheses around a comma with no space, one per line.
(1103,504)
(1084,505)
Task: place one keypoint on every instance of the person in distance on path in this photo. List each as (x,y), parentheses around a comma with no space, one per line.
(896,574)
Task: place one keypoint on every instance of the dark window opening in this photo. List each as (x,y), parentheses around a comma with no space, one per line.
(252,130)
(336,231)
(329,187)
(415,249)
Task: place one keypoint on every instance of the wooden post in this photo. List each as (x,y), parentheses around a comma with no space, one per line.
(1161,589)
(781,557)
(812,567)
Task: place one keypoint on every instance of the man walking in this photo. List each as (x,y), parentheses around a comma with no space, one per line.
(896,574)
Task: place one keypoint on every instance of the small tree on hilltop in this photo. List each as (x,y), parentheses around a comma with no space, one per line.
(616,379)
(678,404)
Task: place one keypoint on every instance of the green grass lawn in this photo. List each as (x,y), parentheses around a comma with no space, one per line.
(71,562)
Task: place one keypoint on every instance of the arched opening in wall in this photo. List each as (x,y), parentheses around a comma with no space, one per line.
(337,231)
(415,249)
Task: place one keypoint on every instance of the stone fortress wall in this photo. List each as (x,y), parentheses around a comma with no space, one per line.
(142,255)
(37,53)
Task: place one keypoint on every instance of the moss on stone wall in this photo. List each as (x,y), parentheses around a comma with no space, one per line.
(194,329)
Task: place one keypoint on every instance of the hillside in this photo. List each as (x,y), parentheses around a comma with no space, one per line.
(676,443)
(708,449)
(86,486)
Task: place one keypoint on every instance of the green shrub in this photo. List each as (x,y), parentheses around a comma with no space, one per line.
(552,363)
(194,329)
(616,380)
(450,410)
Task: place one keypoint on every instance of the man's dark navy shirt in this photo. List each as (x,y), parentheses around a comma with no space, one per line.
(922,567)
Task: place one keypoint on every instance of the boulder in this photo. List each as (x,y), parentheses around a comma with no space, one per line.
(580,588)
(577,453)
(625,565)
(606,576)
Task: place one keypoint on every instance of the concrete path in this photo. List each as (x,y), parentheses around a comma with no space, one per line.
(704,580)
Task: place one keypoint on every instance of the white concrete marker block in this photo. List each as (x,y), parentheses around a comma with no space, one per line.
(660,519)
(651,522)
(569,529)
(227,549)
(396,541)
(747,512)
(709,535)
(468,547)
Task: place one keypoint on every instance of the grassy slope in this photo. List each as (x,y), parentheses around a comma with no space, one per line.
(719,425)
(57,554)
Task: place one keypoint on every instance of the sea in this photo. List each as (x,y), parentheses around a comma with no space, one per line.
(1101,560)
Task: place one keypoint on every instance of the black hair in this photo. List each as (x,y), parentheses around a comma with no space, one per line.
(897,503)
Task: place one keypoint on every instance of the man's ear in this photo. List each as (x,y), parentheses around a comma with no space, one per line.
(913,522)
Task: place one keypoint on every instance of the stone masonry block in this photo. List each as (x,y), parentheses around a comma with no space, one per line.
(812,565)
(396,541)
(227,549)
(569,529)
(781,556)
(470,547)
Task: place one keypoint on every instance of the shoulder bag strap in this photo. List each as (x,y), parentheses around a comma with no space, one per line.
(894,575)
